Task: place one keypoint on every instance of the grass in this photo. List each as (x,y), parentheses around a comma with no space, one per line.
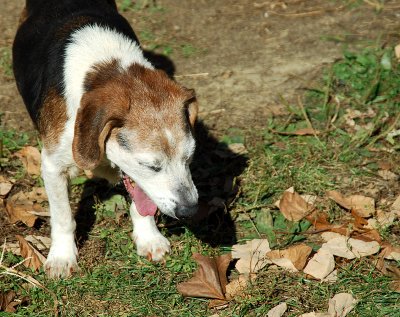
(5,62)
(114,281)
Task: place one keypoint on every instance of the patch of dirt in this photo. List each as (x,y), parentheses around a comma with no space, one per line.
(245,55)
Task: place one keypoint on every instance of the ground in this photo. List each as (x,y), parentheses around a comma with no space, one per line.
(253,65)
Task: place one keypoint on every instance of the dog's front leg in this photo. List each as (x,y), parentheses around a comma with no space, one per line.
(62,258)
(149,241)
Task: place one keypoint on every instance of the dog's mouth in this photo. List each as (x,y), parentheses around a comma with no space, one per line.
(144,205)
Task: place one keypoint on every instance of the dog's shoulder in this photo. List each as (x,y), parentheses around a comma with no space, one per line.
(39,49)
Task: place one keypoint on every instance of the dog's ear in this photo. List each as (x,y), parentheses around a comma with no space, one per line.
(94,121)
(191,106)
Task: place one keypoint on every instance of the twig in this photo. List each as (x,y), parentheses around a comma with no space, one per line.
(303,111)
(13,272)
(192,75)
(387,131)
(306,14)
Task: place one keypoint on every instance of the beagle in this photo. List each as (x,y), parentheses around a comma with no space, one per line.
(99,105)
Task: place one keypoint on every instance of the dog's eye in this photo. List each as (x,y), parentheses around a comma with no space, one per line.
(155,168)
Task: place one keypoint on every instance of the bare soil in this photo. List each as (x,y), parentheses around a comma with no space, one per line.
(244,56)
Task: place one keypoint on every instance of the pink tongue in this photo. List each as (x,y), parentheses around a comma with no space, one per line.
(143,203)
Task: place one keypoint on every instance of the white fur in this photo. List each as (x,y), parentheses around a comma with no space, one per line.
(89,46)
(149,241)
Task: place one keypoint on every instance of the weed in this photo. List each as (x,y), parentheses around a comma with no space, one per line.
(5,62)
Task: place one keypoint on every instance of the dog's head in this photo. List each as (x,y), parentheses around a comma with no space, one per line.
(143,122)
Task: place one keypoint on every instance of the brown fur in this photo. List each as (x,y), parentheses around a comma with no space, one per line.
(52,119)
(138,99)
(23,16)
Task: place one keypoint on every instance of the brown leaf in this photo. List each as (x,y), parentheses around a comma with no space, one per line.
(7,301)
(297,256)
(5,187)
(364,206)
(321,264)
(18,208)
(30,157)
(209,280)
(237,286)
(294,207)
(252,255)
(34,258)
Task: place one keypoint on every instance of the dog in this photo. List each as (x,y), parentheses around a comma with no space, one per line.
(100,105)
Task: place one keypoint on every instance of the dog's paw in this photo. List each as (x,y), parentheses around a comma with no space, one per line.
(61,264)
(153,246)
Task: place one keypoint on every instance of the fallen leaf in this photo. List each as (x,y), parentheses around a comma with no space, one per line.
(13,248)
(385,218)
(396,206)
(294,207)
(313,314)
(34,259)
(37,194)
(209,280)
(237,286)
(397,51)
(7,302)
(237,148)
(388,175)
(350,248)
(39,242)
(321,264)
(395,286)
(278,311)
(331,278)
(364,206)
(341,304)
(252,255)
(18,208)
(5,188)
(30,157)
(293,258)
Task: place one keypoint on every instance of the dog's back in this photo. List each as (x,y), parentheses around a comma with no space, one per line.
(41,40)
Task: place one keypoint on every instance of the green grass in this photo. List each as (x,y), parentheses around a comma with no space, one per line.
(114,281)
(5,62)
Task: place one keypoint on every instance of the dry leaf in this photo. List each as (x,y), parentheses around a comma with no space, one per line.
(321,264)
(7,303)
(388,175)
(364,206)
(350,248)
(313,314)
(37,194)
(30,157)
(238,286)
(209,280)
(5,187)
(34,258)
(237,148)
(293,258)
(385,218)
(397,51)
(341,304)
(18,208)
(331,278)
(278,311)
(294,207)
(252,255)
(39,242)
(13,248)
(396,206)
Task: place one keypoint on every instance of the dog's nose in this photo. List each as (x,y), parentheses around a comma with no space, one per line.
(185,211)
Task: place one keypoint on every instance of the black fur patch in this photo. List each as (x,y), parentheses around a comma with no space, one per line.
(40,43)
